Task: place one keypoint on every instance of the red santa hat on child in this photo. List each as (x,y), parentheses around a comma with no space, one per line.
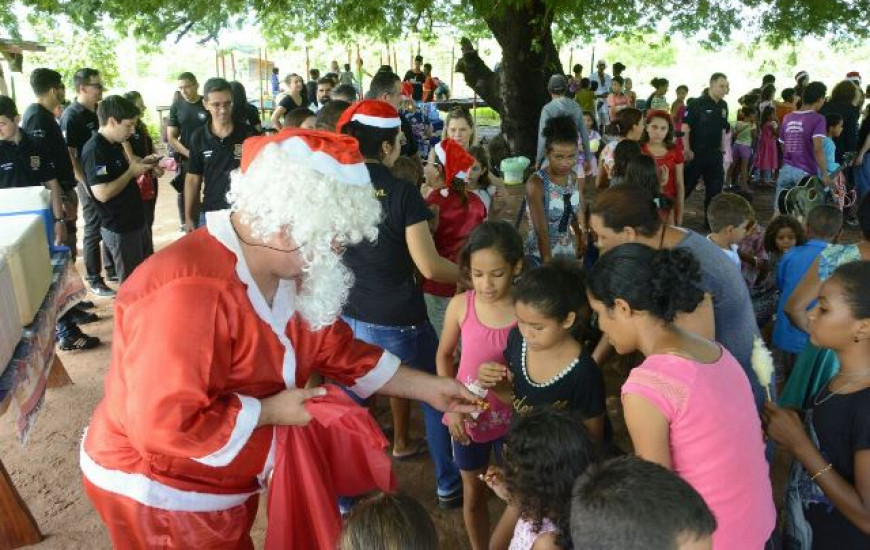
(455,159)
(370,112)
(855,77)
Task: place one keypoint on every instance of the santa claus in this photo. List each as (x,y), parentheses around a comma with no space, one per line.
(215,337)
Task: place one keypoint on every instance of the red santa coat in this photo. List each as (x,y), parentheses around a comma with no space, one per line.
(195,347)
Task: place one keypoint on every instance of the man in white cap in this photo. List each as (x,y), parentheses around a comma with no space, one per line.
(604,81)
(561,104)
(179,449)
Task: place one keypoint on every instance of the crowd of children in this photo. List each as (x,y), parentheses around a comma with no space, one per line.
(526,326)
(529,330)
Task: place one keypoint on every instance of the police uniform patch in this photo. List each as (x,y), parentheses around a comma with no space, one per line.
(102,170)
(237,153)
(35,162)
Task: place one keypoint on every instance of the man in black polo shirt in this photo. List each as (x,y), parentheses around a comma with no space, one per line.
(111,180)
(39,123)
(186,116)
(22,164)
(706,120)
(78,123)
(215,151)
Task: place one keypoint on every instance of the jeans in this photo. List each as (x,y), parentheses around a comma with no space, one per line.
(707,165)
(95,255)
(128,250)
(71,205)
(789,176)
(415,346)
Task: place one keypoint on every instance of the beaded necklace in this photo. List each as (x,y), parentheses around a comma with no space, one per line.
(551,381)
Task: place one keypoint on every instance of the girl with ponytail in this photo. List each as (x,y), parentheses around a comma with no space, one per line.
(689,405)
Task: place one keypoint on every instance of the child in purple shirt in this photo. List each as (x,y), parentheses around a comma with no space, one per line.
(802,136)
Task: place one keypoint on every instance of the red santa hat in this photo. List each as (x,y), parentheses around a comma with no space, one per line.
(854,76)
(455,159)
(333,155)
(370,112)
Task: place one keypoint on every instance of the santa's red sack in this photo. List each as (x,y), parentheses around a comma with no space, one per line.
(339,453)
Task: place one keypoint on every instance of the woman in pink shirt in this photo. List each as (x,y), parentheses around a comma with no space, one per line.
(689,406)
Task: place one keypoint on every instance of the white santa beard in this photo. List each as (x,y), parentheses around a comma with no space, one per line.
(325,287)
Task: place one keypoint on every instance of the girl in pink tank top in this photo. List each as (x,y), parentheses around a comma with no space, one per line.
(480,320)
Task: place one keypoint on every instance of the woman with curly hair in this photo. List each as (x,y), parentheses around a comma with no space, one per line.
(545,451)
(688,406)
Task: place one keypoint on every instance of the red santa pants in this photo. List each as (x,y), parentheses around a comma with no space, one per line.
(135,526)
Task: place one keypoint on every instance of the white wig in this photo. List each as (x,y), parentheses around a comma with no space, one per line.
(279,194)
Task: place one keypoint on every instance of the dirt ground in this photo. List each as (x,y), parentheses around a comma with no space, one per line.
(46,471)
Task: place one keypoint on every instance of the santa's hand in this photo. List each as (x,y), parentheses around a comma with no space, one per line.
(448,395)
(287,407)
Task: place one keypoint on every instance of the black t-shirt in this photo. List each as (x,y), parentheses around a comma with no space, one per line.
(417,79)
(289,104)
(41,126)
(842,425)
(78,124)
(580,389)
(141,141)
(707,119)
(310,92)
(253,118)
(385,291)
(103,162)
(22,164)
(214,158)
(188,118)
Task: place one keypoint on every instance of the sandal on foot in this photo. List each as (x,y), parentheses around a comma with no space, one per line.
(417,448)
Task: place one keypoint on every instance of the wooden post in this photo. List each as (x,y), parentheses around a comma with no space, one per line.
(57,375)
(261,55)
(223,64)
(217,70)
(307,65)
(18,527)
(571,62)
(452,66)
(411,49)
(395,61)
(359,70)
(233,62)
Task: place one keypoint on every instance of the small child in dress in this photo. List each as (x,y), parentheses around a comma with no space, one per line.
(457,212)
(760,253)
(594,145)
(744,135)
(389,522)
(480,319)
(767,156)
(545,451)
(731,217)
(628,503)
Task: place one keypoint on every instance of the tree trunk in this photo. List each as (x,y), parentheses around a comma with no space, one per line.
(518,90)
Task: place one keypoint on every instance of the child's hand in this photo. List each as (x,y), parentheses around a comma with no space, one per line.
(494,479)
(456,425)
(491,374)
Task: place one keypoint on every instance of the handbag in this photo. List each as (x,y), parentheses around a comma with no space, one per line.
(147,186)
